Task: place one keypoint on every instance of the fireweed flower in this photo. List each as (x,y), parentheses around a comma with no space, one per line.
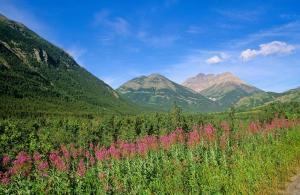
(127,149)
(151,142)
(81,168)
(114,152)
(43,168)
(37,157)
(57,162)
(100,153)
(180,135)
(21,158)
(65,152)
(165,141)
(73,151)
(5,160)
(90,158)
(142,148)
(253,128)
(22,164)
(91,146)
(210,132)
(87,154)
(193,138)
(4,178)
(92,161)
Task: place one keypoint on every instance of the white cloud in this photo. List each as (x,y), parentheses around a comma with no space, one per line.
(214,60)
(272,48)
(249,54)
(276,47)
(217,58)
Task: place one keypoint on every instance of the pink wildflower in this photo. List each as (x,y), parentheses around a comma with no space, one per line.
(57,161)
(81,168)
(210,132)
(253,127)
(193,138)
(37,157)
(114,152)
(43,168)
(65,152)
(4,178)
(100,153)
(5,160)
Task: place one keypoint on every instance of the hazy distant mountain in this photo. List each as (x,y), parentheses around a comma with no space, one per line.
(157,91)
(35,76)
(203,81)
(225,88)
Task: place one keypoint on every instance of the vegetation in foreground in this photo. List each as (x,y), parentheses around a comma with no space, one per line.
(206,159)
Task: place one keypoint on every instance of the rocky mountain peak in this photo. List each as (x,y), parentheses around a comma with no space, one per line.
(203,81)
(154,81)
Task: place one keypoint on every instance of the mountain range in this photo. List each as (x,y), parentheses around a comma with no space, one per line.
(225,88)
(201,93)
(158,92)
(38,77)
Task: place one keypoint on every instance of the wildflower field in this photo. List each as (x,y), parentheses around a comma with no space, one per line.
(251,158)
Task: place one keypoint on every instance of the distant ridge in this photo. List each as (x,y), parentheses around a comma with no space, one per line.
(224,88)
(203,81)
(159,92)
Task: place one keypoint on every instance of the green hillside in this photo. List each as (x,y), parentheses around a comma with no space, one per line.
(228,93)
(158,92)
(38,77)
(265,98)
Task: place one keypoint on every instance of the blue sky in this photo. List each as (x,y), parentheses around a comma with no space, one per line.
(117,40)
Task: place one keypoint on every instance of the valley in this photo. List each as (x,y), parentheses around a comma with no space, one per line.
(64,130)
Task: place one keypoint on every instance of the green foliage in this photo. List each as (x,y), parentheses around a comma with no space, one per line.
(265,98)
(39,77)
(210,167)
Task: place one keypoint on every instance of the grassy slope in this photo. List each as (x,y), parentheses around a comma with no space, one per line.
(227,94)
(265,98)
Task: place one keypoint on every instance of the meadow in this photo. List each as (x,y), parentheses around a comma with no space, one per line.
(225,158)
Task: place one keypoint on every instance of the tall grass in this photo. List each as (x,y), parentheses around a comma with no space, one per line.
(207,159)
